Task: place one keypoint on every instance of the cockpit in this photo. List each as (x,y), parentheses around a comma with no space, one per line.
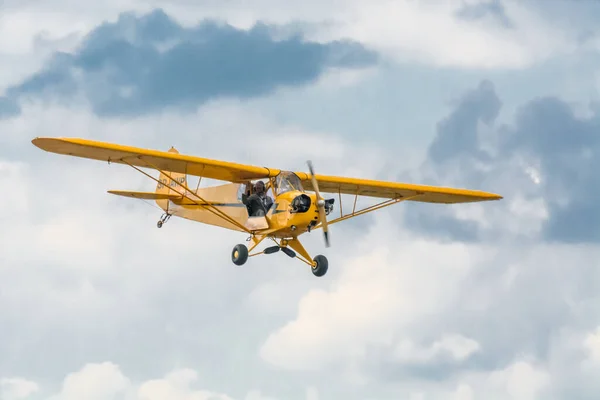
(287,181)
(259,204)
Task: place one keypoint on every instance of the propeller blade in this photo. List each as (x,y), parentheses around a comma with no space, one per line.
(323,218)
(313,179)
(320,203)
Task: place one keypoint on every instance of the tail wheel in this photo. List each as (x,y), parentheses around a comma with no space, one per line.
(239,255)
(321,265)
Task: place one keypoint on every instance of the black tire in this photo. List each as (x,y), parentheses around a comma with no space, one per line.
(159,224)
(239,254)
(322,266)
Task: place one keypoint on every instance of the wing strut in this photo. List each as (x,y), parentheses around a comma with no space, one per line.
(207,204)
(374,207)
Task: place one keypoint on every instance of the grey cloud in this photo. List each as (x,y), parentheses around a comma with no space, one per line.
(540,314)
(140,65)
(8,108)
(476,153)
(457,135)
(493,8)
(568,150)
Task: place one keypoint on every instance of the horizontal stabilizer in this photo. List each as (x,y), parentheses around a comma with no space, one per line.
(146,195)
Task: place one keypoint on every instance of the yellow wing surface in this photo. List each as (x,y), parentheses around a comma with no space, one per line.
(392,190)
(233,172)
(160,160)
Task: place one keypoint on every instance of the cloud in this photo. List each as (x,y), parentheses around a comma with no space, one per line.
(17,388)
(336,327)
(457,347)
(443,40)
(521,380)
(429,33)
(545,159)
(8,108)
(35,31)
(165,297)
(401,313)
(592,345)
(106,381)
(491,8)
(94,381)
(434,314)
(140,65)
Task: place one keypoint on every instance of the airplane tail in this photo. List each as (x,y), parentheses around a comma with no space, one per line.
(170,186)
(168,189)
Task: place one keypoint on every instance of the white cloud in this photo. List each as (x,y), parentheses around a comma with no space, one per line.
(520,381)
(17,388)
(176,386)
(94,382)
(405,30)
(383,285)
(457,346)
(106,381)
(243,135)
(592,345)
(28,37)
(463,392)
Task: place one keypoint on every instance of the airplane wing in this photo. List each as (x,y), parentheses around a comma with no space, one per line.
(391,190)
(162,160)
(146,195)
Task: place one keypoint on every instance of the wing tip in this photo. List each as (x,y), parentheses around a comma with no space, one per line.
(48,143)
(494,196)
(44,143)
(36,141)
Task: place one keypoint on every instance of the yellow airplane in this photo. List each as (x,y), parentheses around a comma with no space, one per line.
(238,205)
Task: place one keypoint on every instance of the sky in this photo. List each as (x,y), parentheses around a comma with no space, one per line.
(495,300)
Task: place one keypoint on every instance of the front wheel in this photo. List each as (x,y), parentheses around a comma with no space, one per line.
(239,255)
(321,266)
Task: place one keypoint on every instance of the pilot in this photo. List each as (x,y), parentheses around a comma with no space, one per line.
(259,202)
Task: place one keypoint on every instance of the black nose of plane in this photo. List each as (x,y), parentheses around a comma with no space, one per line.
(301,203)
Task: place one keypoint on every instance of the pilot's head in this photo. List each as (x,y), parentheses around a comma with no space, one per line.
(259,187)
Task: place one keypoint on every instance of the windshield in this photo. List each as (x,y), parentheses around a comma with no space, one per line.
(287,181)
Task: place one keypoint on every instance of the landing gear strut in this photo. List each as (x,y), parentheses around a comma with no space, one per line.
(290,247)
(163,220)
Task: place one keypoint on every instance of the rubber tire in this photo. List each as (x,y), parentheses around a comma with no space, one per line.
(322,266)
(159,224)
(242,254)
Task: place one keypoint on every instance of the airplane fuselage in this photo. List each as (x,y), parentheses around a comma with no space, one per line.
(293,213)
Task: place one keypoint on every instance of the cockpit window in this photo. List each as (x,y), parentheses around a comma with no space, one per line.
(241,190)
(288,181)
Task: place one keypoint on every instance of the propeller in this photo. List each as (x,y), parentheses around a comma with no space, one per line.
(320,203)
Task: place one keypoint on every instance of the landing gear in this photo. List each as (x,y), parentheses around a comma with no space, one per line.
(163,220)
(321,266)
(239,255)
(290,247)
